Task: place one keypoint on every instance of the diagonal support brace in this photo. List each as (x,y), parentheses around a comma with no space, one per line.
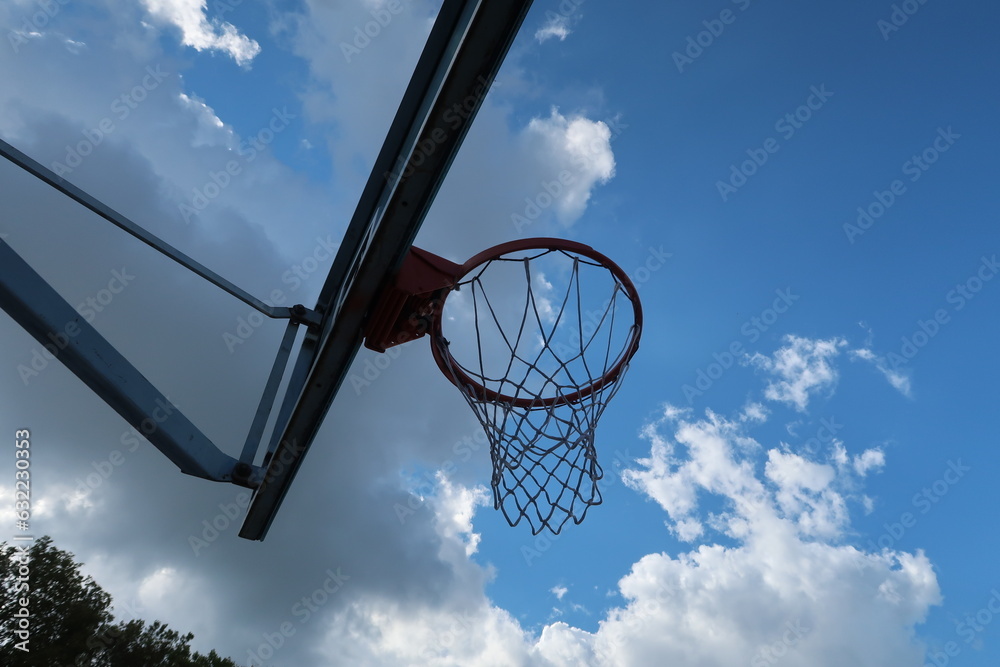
(43,313)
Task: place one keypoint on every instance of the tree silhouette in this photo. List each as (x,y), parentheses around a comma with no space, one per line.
(71,624)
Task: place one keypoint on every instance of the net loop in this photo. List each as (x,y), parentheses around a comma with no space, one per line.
(555,327)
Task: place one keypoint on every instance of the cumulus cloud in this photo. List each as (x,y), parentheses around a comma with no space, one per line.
(801,368)
(781,591)
(712,455)
(202,34)
(578,146)
(804,492)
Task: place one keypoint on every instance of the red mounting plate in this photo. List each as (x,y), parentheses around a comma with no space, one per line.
(412,302)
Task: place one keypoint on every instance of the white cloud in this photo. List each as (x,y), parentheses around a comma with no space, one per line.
(754,412)
(863,353)
(579,146)
(457,626)
(819,605)
(688,530)
(804,494)
(839,454)
(158,585)
(210,130)
(899,381)
(74,46)
(868,460)
(802,368)
(200,33)
(556,25)
(559,591)
(385,633)
(778,577)
(455,505)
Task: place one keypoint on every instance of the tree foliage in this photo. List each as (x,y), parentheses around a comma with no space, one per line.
(71,624)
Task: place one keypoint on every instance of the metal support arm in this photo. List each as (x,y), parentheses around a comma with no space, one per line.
(43,313)
(114,217)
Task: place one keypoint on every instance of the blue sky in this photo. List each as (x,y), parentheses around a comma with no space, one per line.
(800,461)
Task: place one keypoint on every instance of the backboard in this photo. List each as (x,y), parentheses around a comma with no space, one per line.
(463,53)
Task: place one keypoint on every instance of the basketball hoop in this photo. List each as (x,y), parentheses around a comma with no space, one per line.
(542,332)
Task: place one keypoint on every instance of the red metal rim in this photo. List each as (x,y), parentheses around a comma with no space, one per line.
(453,371)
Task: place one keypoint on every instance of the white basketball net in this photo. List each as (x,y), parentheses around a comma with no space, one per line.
(541,358)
